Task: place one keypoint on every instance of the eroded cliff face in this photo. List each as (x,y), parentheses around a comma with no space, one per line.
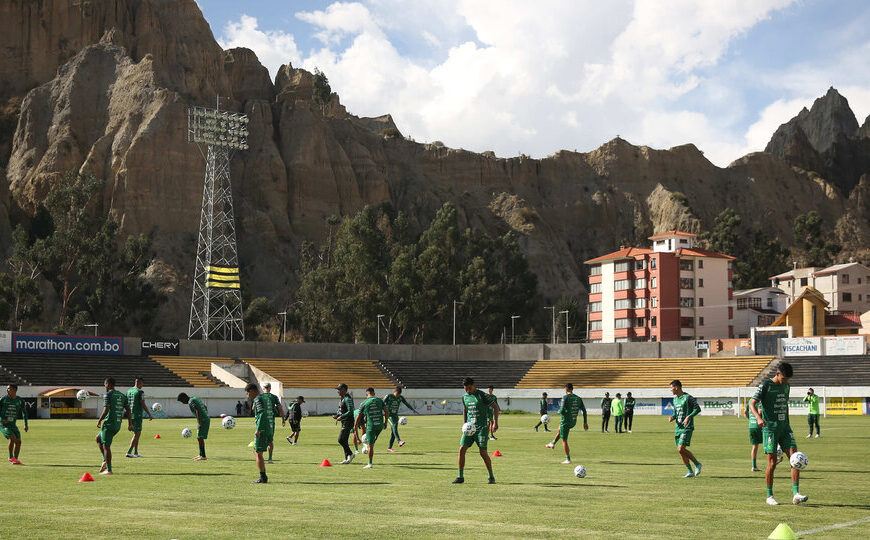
(106,89)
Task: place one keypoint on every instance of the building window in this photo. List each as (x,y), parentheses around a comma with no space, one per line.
(847,297)
(653,321)
(741,303)
(621,284)
(730,312)
(623,323)
(844,279)
(700,302)
(700,263)
(700,321)
(639,303)
(683,241)
(595,270)
(594,306)
(594,325)
(687,322)
(803,282)
(859,297)
(640,283)
(622,266)
(622,304)
(652,283)
(687,265)
(687,302)
(640,264)
(770,303)
(654,301)
(640,322)
(859,281)
(594,288)
(652,263)
(687,283)
(700,282)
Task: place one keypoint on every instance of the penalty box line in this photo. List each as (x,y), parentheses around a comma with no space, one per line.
(832,527)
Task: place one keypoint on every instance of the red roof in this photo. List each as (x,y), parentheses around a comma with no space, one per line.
(624,253)
(698,252)
(671,233)
(843,321)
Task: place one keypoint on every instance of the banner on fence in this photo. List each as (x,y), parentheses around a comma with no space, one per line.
(844,345)
(51,344)
(5,341)
(850,406)
(801,346)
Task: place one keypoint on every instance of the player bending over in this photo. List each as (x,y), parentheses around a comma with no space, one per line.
(114,408)
(136,402)
(772,394)
(476,406)
(685,409)
(393,401)
(11,407)
(264,419)
(203,422)
(374,413)
(572,404)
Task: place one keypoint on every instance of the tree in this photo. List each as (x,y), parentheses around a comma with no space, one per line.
(322,92)
(258,312)
(810,237)
(724,235)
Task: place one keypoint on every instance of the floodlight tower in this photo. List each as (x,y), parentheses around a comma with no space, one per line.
(216,305)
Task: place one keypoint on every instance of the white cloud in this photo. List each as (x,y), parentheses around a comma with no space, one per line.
(272,48)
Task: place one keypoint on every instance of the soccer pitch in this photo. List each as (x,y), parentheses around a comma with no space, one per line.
(634,485)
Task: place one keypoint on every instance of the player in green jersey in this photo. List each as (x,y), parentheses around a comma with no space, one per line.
(373,413)
(492,428)
(686,408)
(345,415)
(114,408)
(203,422)
(754,436)
(572,404)
(136,402)
(264,418)
(813,414)
(393,401)
(277,411)
(11,407)
(543,411)
(294,417)
(618,409)
(476,406)
(772,395)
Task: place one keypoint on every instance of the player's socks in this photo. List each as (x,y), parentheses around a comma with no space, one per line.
(491,476)
(130,450)
(770,491)
(689,468)
(754,464)
(263,477)
(460,473)
(270,455)
(794,488)
(697,468)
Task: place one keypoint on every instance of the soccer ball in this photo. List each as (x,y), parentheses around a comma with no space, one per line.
(545,418)
(468,428)
(403,420)
(364,438)
(156,407)
(228,422)
(799,460)
(186,433)
(779,454)
(82,395)
(580,471)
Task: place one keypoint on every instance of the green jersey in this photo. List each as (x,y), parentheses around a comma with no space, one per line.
(491,412)
(264,413)
(685,406)
(774,402)
(196,404)
(273,399)
(134,400)
(617,407)
(116,402)
(543,406)
(572,404)
(813,400)
(345,411)
(753,422)
(478,407)
(373,410)
(393,403)
(11,409)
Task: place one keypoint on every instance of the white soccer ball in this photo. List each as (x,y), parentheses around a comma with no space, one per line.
(364,438)
(468,428)
(228,422)
(799,460)
(779,454)
(403,420)
(156,407)
(545,418)
(580,471)
(186,433)
(82,395)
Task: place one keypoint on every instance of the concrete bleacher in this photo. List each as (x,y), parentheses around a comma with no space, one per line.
(321,373)
(449,373)
(195,370)
(85,370)
(644,372)
(829,370)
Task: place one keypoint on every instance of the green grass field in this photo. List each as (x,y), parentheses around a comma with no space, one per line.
(634,486)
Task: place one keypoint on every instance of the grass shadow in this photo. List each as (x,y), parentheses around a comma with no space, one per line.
(832,505)
(339,483)
(561,484)
(176,474)
(639,464)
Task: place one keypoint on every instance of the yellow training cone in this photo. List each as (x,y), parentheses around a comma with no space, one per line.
(782,532)
(251,445)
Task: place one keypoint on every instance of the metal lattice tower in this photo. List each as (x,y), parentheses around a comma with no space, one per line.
(216,304)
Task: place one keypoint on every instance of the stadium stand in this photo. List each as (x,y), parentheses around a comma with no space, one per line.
(449,373)
(195,370)
(829,371)
(303,373)
(645,372)
(67,370)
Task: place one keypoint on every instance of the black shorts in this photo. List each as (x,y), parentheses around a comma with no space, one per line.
(294,427)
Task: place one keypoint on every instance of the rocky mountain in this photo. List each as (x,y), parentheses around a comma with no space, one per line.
(105,86)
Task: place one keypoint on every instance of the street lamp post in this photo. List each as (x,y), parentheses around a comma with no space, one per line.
(566,323)
(553,309)
(455,302)
(284,327)
(379,328)
(513,319)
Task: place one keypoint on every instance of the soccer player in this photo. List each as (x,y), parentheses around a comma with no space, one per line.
(375,413)
(544,402)
(264,419)
(571,405)
(277,410)
(393,401)
(772,394)
(629,412)
(203,422)
(685,409)
(618,410)
(11,407)
(294,416)
(813,414)
(345,415)
(605,412)
(754,436)
(136,402)
(475,410)
(114,407)
(490,424)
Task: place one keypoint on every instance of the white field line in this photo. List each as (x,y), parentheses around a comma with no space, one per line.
(832,527)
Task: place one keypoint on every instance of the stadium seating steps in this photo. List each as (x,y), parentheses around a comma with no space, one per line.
(322,373)
(830,371)
(86,370)
(449,373)
(195,370)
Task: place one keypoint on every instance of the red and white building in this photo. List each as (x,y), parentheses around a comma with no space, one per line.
(671,292)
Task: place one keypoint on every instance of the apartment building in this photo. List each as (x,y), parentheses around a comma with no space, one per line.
(846,287)
(756,307)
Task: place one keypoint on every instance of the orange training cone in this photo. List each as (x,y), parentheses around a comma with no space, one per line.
(158,436)
(496,454)
(325,463)
(86,477)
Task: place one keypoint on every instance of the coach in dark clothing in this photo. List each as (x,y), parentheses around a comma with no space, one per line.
(629,412)
(544,402)
(294,417)
(605,412)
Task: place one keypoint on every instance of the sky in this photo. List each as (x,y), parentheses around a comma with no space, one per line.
(522,77)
